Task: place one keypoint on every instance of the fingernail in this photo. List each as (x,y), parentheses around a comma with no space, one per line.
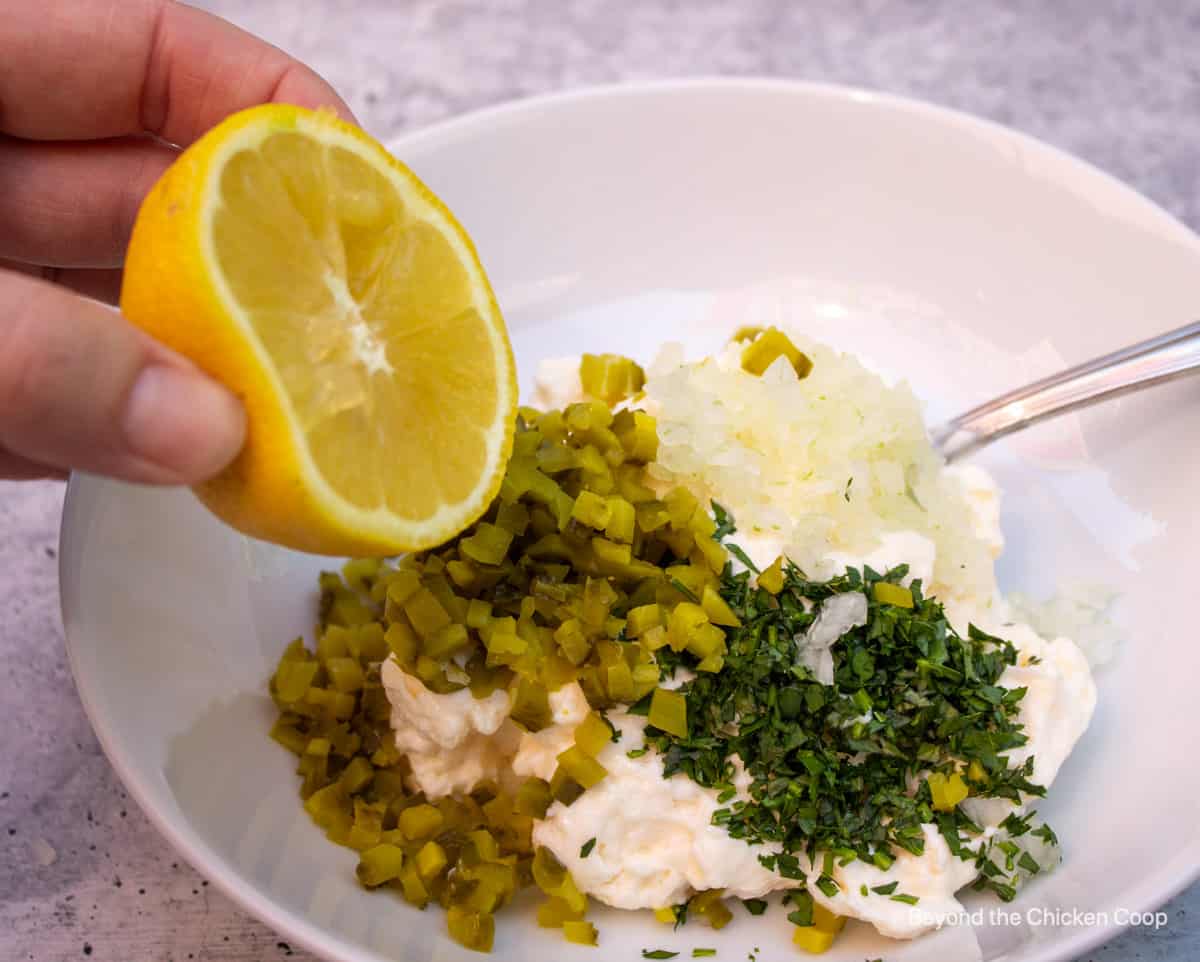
(183,421)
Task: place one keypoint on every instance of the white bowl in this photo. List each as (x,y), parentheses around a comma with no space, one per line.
(964,256)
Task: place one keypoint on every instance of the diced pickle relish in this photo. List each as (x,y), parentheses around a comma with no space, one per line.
(573,574)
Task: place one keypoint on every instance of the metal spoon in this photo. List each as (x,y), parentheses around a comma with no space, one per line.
(1159,359)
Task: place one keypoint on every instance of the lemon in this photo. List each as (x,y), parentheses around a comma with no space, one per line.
(294,259)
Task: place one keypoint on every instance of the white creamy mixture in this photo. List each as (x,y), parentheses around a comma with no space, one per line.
(655,841)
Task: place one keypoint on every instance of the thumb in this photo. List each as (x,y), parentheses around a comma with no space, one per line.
(81,388)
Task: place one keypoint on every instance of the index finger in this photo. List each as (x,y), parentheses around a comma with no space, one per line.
(85,69)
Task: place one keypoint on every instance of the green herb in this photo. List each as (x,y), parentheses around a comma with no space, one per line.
(755,906)
(906,899)
(744,558)
(828,886)
(615,732)
(885,889)
(823,779)
(703,953)
(658,954)
(684,590)
(863,891)
(802,915)
(636,752)
(725,525)
(587,847)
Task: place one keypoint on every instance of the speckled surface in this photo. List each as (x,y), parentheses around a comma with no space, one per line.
(82,873)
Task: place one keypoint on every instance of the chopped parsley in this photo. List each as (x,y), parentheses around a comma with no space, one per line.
(586,849)
(755,906)
(831,765)
(703,953)
(658,954)
(724,521)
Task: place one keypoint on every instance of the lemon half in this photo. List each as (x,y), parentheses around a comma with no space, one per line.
(294,259)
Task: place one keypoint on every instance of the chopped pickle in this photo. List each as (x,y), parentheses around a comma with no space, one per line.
(425,613)
(402,642)
(710,907)
(431,859)
(360,573)
(668,712)
(289,736)
(717,609)
(380,864)
(666,915)
(681,505)
(641,619)
(622,516)
(638,435)
(447,642)
(592,510)
(593,734)
(357,775)
(655,638)
(768,347)
(946,792)
(421,822)
(402,585)
(685,623)
(413,886)
(819,936)
(706,640)
(582,767)
(889,594)
(367,830)
(488,545)
(505,649)
(345,673)
(610,377)
(610,553)
(552,913)
(563,788)
(513,518)
(367,642)
(479,613)
(976,772)
(618,682)
(531,705)
(292,679)
(462,573)
(572,641)
(581,933)
(475,930)
(484,844)
(771,579)
(533,798)
(651,516)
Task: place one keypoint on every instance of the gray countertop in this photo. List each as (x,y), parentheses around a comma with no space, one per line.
(1117,82)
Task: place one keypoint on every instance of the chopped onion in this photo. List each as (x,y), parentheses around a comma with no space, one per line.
(838,615)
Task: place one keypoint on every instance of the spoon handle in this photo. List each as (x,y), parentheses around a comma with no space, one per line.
(1161,358)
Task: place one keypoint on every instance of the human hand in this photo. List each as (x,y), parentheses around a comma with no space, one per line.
(93,94)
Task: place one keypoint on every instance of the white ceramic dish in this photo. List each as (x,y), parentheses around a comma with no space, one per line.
(962,255)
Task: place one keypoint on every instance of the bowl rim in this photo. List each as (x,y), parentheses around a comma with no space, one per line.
(1154,890)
